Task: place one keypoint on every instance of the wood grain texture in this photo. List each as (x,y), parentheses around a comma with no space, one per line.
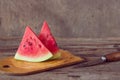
(113,57)
(67,18)
(88,48)
(15,67)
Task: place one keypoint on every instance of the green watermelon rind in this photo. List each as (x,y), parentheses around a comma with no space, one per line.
(39,59)
(56,55)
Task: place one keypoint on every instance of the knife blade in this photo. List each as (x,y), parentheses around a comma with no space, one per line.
(106,58)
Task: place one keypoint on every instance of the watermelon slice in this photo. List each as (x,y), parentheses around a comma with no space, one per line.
(49,41)
(31,48)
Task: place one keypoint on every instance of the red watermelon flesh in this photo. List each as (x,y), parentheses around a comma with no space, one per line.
(31,48)
(48,40)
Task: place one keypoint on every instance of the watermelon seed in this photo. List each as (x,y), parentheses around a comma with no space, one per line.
(39,45)
(30,44)
(30,37)
(23,45)
(47,36)
(34,40)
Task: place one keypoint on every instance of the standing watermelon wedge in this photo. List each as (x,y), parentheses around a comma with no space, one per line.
(49,41)
(31,48)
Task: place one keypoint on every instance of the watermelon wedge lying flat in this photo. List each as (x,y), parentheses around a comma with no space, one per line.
(31,48)
(49,41)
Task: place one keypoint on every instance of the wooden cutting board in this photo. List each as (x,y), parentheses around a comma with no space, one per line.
(15,67)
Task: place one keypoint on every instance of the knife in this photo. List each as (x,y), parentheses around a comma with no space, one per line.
(106,58)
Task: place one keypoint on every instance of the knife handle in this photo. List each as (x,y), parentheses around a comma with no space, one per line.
(113,57)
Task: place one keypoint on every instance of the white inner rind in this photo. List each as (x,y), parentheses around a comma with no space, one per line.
(39,59)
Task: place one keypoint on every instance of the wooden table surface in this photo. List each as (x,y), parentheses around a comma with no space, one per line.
(88,48)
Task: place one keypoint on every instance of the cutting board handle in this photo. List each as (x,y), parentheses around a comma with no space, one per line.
(113,57)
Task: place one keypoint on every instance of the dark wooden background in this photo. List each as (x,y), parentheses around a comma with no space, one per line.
(67,18)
